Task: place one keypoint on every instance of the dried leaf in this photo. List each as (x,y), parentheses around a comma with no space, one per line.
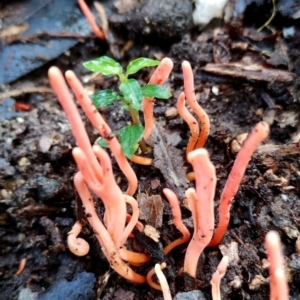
(155,183)
(102,16)
(152,233)
(13,30)
(231,250)
(257,282)
(151,209)
(280,56)
(270,154)
(221,53)
(258,36)
(253,72)
(168,159)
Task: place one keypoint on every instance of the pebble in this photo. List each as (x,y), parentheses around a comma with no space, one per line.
(27,294)
(171,112)
(192,295)
(82,287)
(23,161)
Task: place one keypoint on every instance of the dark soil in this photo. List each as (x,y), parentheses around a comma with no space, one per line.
(39,204)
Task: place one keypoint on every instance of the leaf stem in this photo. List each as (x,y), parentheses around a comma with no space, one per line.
(134,115)
(136,120)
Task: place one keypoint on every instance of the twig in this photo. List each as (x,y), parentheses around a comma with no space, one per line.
(29,38)
(20,92)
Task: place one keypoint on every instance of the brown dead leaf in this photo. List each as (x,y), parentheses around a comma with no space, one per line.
(155,183)
(250,72)
(258,36)
(270,155)
(277,150)
(231,250)
(280,56)
(13,30)
(102,16)
(257,282)
(151,209)
(168,159)
(288,118)
(221,53)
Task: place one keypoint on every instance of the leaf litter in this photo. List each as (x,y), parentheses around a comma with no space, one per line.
(166,158)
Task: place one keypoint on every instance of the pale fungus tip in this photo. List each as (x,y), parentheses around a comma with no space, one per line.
(78,246)
(200,153)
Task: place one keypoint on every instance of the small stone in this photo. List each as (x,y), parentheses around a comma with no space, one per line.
(192,295)
(4,194)
(27,294)
(82,287)
(171,112)
(47,187)
(45,143)
(215,90)
(295,262)
(237,143)
(20,120)
(5,168)
(23,162)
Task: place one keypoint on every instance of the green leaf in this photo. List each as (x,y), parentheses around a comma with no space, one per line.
(125,106)
(102,142)
(140,63)
(129,137)
(104,65)
(132,93)
(155,91)
(105,98)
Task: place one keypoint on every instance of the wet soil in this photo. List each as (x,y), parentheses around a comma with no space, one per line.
(39,205)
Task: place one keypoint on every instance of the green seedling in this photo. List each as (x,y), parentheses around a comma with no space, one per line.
(131,96)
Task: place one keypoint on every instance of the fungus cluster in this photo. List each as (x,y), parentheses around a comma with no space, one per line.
(95,176)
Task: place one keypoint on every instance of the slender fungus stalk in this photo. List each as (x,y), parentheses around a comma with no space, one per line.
(22,266)
(257,135)
(217,276)
(150,281)
(77,246)
(202,204)
(159,76)
(278,283)
(163,281)
(101,233)
(61,90)
(189,90)
(108,191)
(95,174)
(190,120)
(104,130)
(91,20)
(163,286)
(174,203)
(141,160)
